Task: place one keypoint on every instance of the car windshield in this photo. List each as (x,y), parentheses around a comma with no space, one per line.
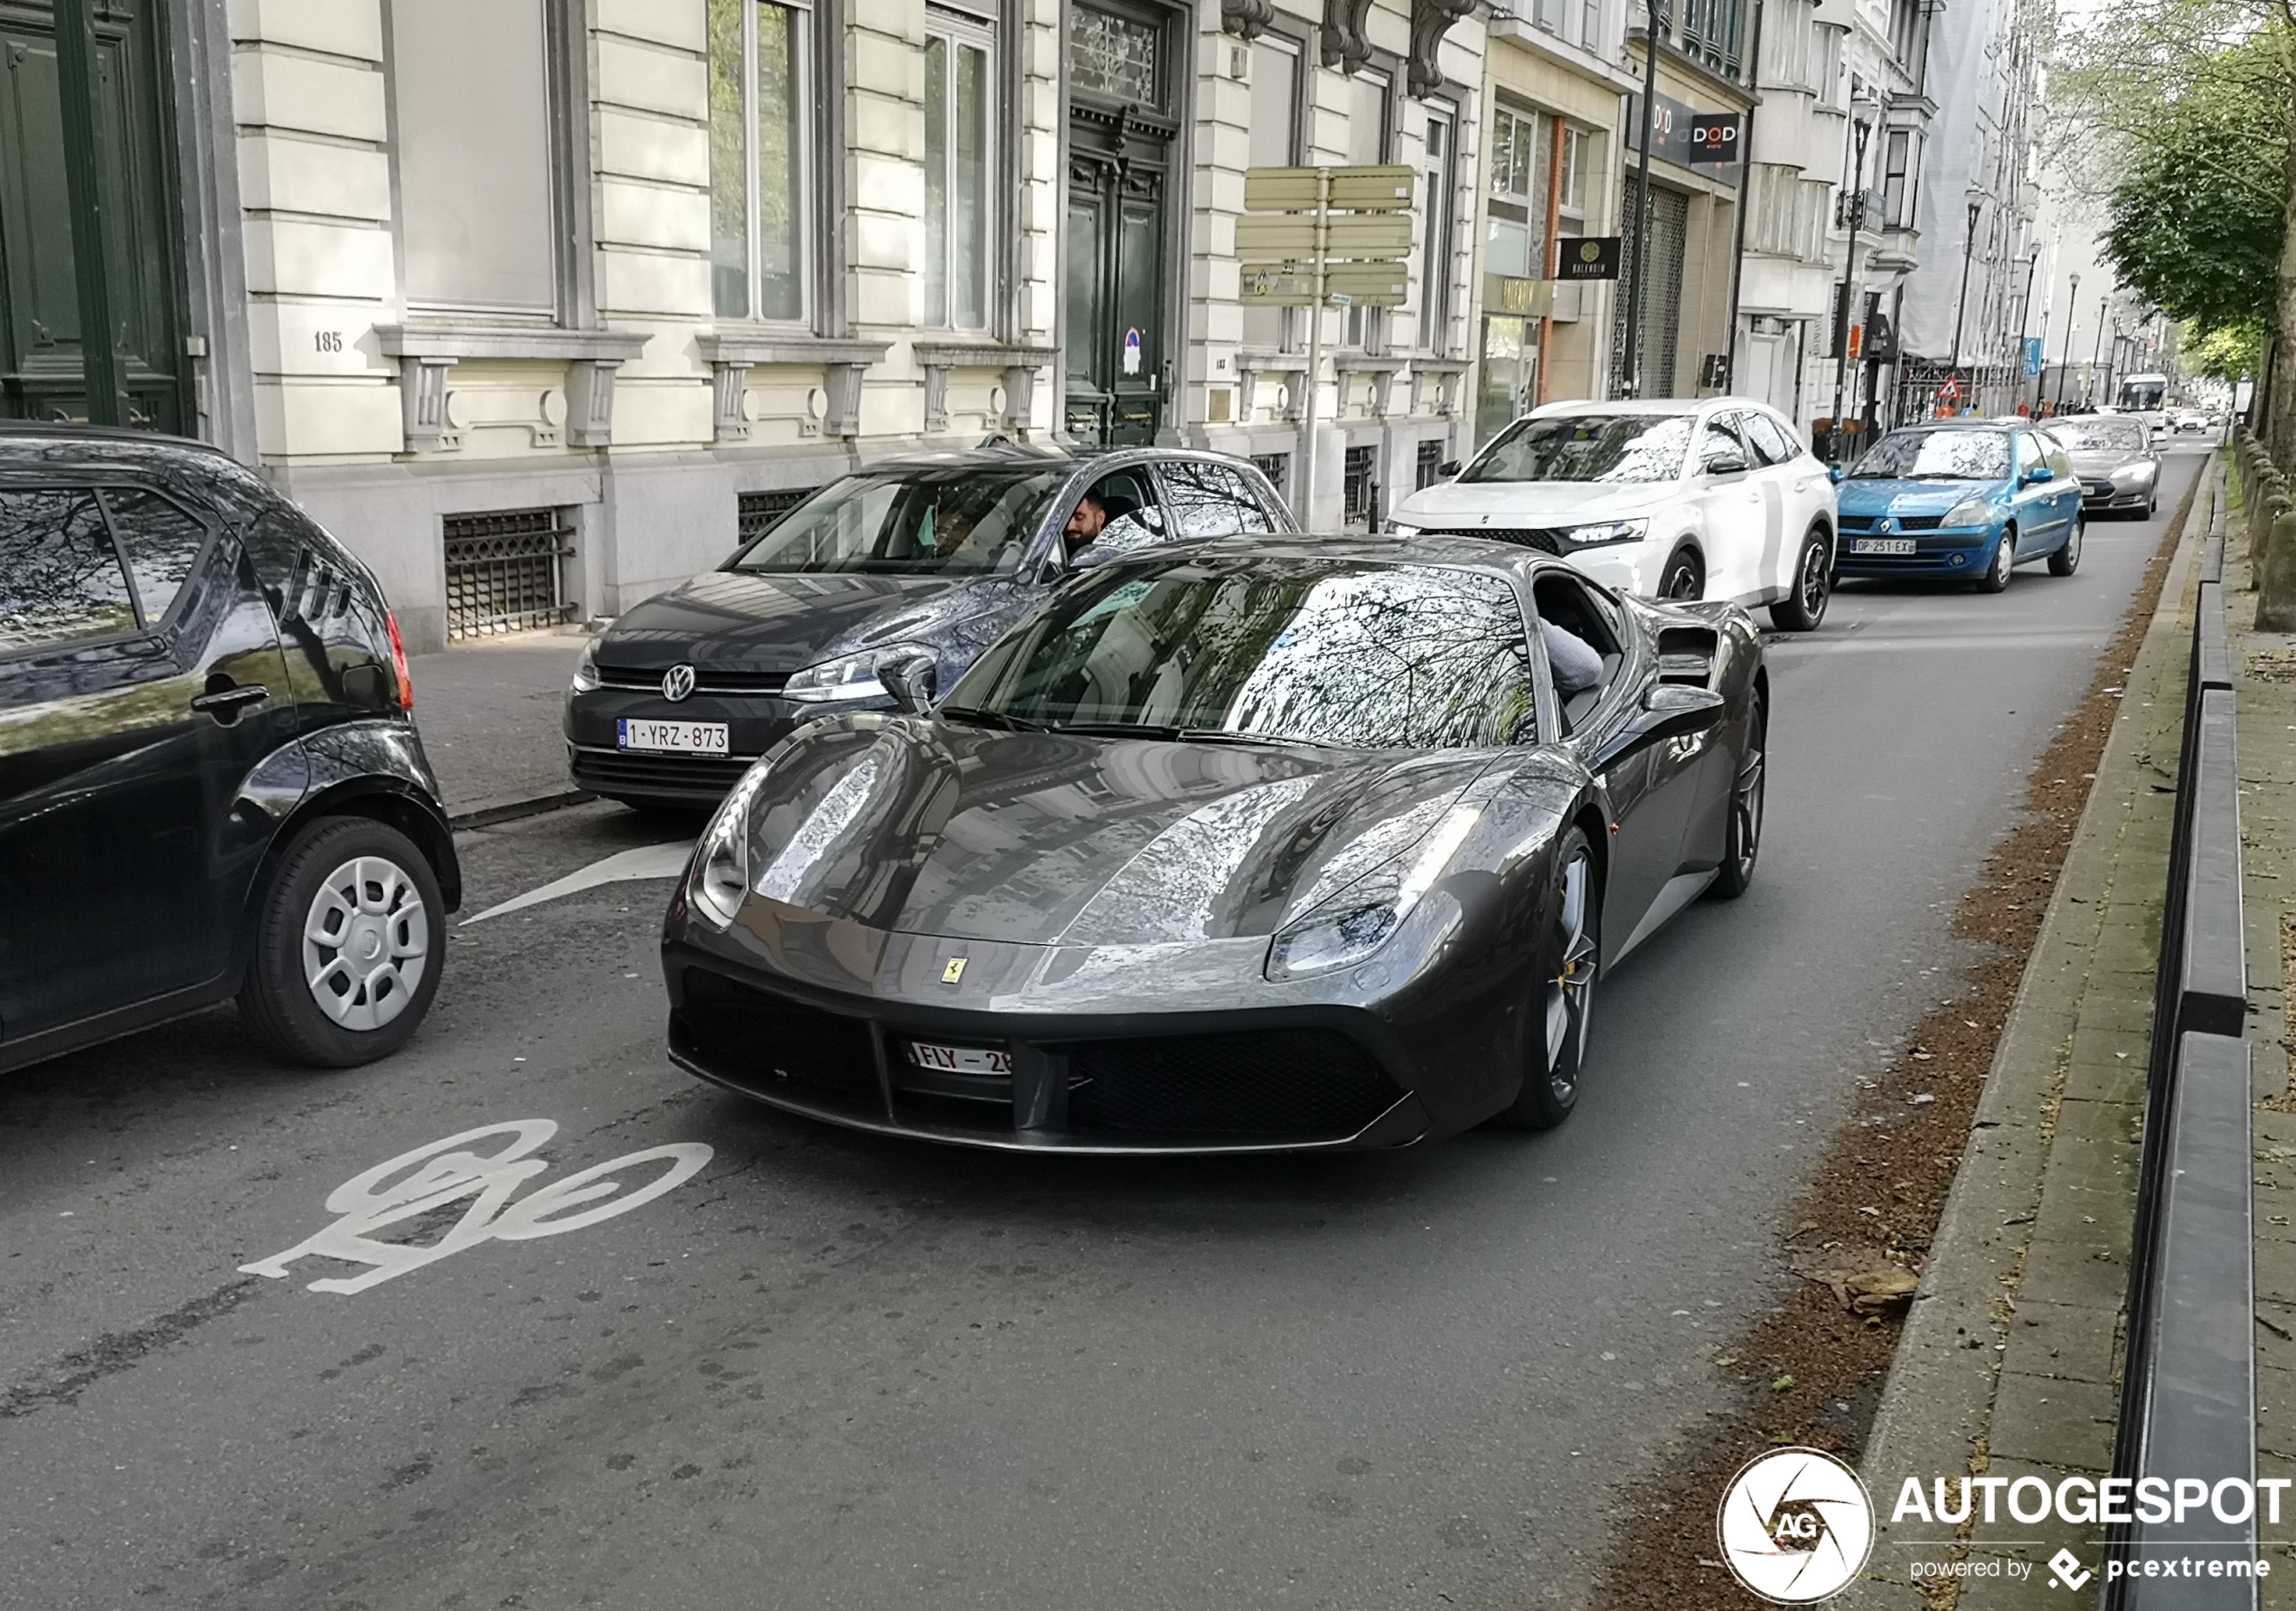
(1937,456)
(1587,447)
(955,520)
(1320,652)
(2099,436)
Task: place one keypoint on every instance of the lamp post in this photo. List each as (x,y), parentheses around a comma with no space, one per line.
(2025,312)
(1631,380)
(2088,381)
(1961,307)
(1848,293)
(2072,317)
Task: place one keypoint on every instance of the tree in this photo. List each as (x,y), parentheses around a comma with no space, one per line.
(2192,105)
(2228,352)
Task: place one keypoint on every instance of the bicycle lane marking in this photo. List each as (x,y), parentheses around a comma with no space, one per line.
(443,1172)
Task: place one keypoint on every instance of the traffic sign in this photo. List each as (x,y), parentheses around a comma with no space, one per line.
(1384,187)
(1291,236)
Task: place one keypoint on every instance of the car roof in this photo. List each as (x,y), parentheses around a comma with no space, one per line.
(1046,455)
(1649,405)
(1355,547)
(49,442)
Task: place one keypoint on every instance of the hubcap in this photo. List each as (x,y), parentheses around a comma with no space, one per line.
(1571,991)
(1813,580)
(366,941)
(1682,582)
(1745,806)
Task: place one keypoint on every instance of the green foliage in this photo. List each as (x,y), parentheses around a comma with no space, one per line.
(2197,216)
(2229,353)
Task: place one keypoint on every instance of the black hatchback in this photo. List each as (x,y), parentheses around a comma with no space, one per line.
(210,781)
(917,562)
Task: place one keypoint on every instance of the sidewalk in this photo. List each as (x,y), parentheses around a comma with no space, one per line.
(2264,664)
(2009,1362)
(488,712)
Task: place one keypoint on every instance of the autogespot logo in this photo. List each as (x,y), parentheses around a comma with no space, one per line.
(1795,1526)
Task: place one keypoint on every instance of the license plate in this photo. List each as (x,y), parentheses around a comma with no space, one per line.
(1881,545)
(960,1059)
(672,738)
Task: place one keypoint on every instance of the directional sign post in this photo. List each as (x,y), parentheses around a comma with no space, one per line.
(1325,238)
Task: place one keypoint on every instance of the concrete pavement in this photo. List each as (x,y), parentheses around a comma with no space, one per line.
(488,713)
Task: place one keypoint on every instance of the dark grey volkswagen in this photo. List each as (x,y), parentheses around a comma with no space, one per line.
(925,559)
(210,781)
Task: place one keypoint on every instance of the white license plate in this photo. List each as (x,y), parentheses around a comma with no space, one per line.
(672,738)
(960,1059)
(1881,545)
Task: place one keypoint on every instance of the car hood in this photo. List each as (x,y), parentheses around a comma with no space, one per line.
(1462,507)
(917,826)
(731,619)
(1908,496)
(2104,463)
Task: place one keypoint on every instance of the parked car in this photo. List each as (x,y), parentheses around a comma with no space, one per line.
(1682,499)
(210,780)
(2114,456)
(927,557)
(1967,500)
(1240,847)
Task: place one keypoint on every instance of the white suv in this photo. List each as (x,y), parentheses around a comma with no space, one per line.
(1689,498)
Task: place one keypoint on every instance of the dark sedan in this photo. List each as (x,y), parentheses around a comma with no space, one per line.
(928,557)
(2117,461)
(1229,848)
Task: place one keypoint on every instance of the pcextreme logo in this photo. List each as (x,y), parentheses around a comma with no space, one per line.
(1795,1526)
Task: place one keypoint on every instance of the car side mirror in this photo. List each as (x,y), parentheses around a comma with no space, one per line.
(1835,473)
(1668,710)
(1448,468)
(911,681)
(1724,464)
(2037,475)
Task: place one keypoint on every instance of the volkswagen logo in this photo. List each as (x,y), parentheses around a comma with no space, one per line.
(677,683)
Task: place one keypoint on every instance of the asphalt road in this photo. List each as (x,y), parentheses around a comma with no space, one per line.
(830,1370)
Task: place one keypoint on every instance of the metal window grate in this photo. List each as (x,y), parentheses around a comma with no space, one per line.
(1277,468)
(1356,490)
(1428,467)
(503,573)
(761,511)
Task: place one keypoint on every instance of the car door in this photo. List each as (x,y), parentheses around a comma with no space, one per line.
(2067,487)
(2036,502)
(1805,492)
(1731,495)
(1209,499)
(136,666)
(1652,790)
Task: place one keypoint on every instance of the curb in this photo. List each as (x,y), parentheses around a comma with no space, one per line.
(1942,1394)
(508,808)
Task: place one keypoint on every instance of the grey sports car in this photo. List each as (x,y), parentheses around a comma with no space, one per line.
(1245,846)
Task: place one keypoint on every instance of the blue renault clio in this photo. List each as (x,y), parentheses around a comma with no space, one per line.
(1960,499)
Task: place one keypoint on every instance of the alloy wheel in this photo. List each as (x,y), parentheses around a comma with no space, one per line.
(1745,807)
(366,941)
(1814,586)
(1570,993)
(1684,582)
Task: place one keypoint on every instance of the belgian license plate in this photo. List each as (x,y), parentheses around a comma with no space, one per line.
(960,1059)
(671,738)
(1881,545)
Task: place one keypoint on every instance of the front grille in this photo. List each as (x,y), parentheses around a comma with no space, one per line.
(705,680)
(1279,1082)
(1904,522)
(1545,541)
(503,573)
(773,1044)
(611,771)
(1857,522)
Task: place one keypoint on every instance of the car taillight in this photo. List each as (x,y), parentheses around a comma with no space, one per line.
(399,663)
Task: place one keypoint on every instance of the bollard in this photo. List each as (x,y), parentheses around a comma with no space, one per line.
(2276,570)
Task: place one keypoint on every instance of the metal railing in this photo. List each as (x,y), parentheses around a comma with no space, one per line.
(503,573)
(2189,1383)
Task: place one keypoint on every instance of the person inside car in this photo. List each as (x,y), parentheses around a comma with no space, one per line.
(1091,518)
(1573,660)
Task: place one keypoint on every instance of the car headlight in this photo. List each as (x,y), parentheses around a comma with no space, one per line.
(1403,528)
(1970,512)
(1603,531)
(1353,924)
(2132,474)
(849,676)
(585,677)
(720,876)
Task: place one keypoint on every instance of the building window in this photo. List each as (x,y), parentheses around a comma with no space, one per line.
(1369,107)
(1277,468)
(1896,181)
(1590,25)
(959,97)
(1904,30)
(1437,205)
(1427,465)
(1114,56)
(1358,492)
(1713,31)
(1274,144)
(759,89)
(503,573)
(1516,245)
(474,236)
(758,513)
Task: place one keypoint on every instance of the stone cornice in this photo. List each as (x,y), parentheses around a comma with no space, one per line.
(511,342)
